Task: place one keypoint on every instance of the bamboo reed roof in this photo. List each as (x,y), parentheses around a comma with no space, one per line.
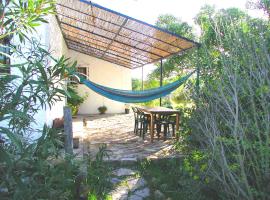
(103,33)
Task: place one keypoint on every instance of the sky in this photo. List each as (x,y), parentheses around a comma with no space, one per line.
(186,10)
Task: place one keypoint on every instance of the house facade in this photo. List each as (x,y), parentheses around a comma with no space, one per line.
(97,70)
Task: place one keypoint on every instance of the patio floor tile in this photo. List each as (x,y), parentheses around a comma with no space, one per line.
(116,131)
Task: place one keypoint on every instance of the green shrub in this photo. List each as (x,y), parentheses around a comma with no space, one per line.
(230,125)
(32,169)
(102,109)
(38,171)
(98,175)
(74,100)
(170,177)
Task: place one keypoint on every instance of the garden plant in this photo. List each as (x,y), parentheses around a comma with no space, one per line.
(32,168)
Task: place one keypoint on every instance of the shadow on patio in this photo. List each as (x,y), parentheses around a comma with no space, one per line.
(116,131)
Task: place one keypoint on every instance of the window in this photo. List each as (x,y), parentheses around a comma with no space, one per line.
(4,59)
(82,71)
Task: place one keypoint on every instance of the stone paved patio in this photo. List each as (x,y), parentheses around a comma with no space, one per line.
(116,131)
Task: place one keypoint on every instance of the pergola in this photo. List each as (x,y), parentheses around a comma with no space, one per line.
(117,38)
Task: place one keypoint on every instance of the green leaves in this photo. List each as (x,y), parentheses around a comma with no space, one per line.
(232,111)
(21,97)
(174,65)
(98,173)
(32,169)
(14,138)
(22,17)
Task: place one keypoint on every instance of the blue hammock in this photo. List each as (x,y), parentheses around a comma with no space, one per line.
(129,96)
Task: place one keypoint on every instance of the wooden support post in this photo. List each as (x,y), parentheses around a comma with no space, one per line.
(68,133)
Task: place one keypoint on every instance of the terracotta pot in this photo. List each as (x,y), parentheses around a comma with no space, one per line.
(76,142)
(58,123)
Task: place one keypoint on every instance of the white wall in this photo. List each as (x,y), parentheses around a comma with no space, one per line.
(104,73)
(49,35)
(40,35)
(58,48)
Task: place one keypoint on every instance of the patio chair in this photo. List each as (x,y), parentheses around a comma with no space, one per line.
(162,122)
(171,119)
(165,121)
(143,122)
(136,120)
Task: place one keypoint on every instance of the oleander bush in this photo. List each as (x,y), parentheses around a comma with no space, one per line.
(35,168)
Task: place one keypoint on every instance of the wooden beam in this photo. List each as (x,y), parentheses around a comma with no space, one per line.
(68,133)
(116,34)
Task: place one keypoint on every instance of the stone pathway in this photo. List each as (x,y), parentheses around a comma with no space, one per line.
(116,131)
(128,185)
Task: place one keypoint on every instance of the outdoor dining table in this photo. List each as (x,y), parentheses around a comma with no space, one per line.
(152,111)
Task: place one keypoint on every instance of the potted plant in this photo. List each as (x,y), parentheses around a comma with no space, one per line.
(74,100)
(102,109)
(127,108)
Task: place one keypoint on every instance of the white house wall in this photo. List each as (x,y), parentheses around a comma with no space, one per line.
(57,44)
(104,73)
(48,35)
(58,48)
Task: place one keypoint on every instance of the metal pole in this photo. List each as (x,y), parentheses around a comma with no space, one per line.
(198,79)
(198,71)
(142,77)
(161,79)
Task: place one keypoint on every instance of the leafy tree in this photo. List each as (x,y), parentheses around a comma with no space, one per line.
(225,126)
(18,18)
(175,65)
(136,84)
(226,21)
